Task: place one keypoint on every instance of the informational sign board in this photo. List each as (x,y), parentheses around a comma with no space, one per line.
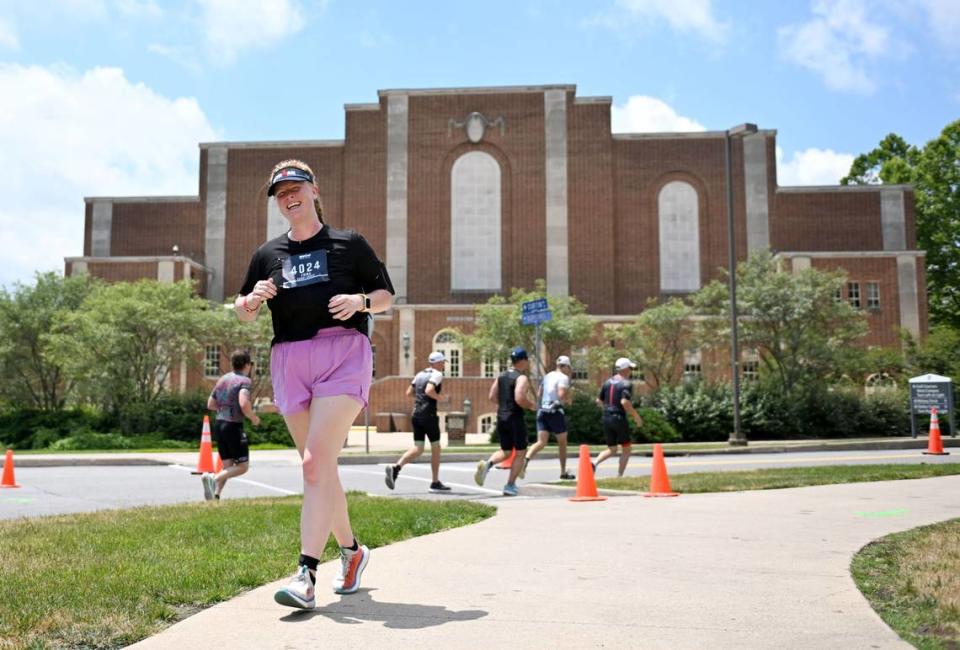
(536,317)
(540,304)
(535,312)
(928,392)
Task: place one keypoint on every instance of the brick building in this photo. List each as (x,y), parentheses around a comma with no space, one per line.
(468,192)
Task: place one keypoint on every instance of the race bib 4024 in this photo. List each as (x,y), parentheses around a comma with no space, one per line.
(305,269)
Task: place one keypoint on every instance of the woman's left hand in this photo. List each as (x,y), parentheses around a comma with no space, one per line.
(345,305)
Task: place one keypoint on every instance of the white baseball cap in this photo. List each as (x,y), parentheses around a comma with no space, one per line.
(624,363)
(563,360)
(436,357)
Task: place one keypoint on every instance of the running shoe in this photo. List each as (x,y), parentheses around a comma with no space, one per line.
(510,490)
(437,486)
(523,470)
(481,474)
(352,565)
(208,485)
(567,476)
(298,592)
(391,478)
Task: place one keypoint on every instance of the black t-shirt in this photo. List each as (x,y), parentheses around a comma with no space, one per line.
(309,273)
(507,395)
(613,390)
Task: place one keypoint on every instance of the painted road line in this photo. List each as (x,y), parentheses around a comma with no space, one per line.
(245,480)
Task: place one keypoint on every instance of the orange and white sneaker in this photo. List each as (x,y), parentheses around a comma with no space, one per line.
(352,565)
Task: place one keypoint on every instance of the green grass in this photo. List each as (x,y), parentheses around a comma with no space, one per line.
(912,580)
(782,477)
(108,579)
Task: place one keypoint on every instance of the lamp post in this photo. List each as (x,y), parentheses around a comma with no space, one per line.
(736,437)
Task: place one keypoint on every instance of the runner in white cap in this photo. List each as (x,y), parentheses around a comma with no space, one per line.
(553,393)
(615,400)
(425,390)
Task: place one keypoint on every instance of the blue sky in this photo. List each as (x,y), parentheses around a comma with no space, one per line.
(111,97)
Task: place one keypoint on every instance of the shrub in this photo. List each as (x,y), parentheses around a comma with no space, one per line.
(272,430)
(886,413)
(19,427)
(92,440)
(655,428)
(177,416)
(696,410)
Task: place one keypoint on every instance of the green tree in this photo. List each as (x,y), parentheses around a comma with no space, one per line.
(124,339)
(31,378)
(227,331)
(934,171)
(656,341)
(793,320)
(498,327)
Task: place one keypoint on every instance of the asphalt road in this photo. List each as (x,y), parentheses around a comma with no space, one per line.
(59,490)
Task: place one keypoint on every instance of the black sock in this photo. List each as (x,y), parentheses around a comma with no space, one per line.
(396,470)
(311,564)
(354,548)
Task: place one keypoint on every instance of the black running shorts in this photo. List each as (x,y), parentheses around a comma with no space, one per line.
(616,431)
(426,426)
(512,432)
(231,441)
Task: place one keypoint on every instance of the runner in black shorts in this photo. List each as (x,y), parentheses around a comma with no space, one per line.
(615,400)
(230,398)
(553,393)
(425,390)
(510,392)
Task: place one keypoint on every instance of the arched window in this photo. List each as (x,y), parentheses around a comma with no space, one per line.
(679,218)
(488,422)
(492,366)
(447,342)
(475,223)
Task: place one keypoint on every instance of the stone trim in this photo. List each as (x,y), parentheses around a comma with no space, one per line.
(398,110)
(555,138)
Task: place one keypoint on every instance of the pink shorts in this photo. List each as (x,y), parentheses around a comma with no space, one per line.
(336,361)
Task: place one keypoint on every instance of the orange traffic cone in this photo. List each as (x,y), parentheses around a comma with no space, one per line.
(8,481)
(935,445)
(508,463)
(586,486)
(217,463)
(205,463)
(659,481)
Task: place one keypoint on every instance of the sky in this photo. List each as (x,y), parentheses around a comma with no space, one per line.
(112,97)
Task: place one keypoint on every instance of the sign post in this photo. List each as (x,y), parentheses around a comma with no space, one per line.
(536,312)
(931,392)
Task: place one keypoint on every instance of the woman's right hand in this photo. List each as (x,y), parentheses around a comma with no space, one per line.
(263,290)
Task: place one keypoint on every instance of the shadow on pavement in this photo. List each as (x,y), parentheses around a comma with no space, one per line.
(359,607)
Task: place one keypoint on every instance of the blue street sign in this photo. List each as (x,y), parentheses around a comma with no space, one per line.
(536,317)
(531,306)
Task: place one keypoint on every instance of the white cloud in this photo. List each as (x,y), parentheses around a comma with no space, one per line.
(643,114)
(182,57)
(813,167)
(8,35)
(65,135)
(943,17)
(837,44)
(145,8)
(236,25)
(684,16)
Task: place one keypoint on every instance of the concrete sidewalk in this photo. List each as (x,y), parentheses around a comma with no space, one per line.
(747,570)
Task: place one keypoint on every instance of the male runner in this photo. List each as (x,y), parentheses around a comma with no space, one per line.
(553,393)
(230,398)
(614,399)
(425,390)
(510,392)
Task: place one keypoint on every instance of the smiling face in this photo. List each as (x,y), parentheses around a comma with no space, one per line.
(295,199)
